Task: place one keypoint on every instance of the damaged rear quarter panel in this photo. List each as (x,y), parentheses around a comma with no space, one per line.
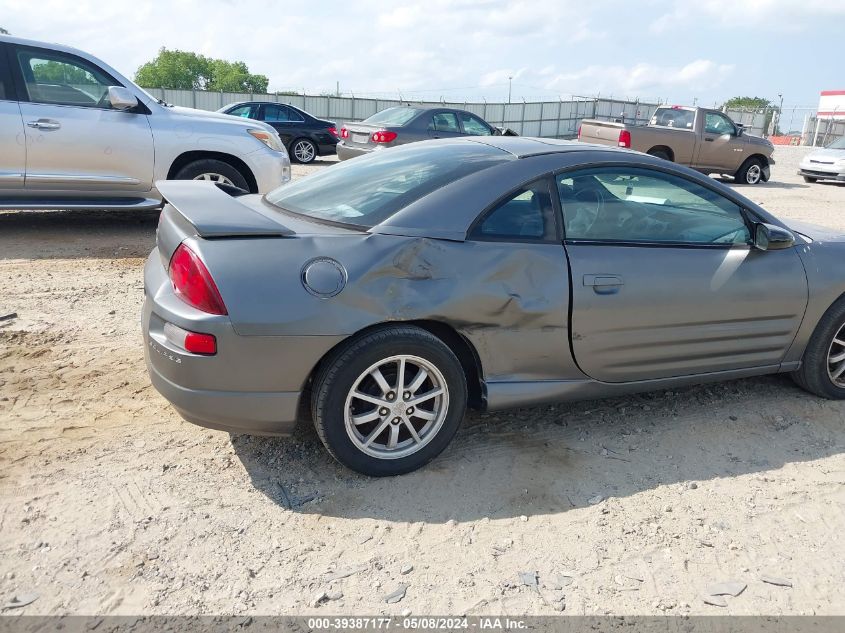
(510,300)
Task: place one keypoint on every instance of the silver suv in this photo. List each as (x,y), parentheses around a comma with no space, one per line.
(76,134)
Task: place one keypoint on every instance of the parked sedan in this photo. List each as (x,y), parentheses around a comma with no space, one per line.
(825,164)
(305,136)
(387,294)
(406,124)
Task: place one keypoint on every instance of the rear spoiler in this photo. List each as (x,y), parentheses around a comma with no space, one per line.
(215,211)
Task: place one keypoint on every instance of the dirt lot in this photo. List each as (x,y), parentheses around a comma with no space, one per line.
(111,504)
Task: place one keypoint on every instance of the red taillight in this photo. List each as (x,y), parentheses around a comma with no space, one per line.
(624,138)
(344,133)
(333,131)
(383,136)
(579,131)
(192,282)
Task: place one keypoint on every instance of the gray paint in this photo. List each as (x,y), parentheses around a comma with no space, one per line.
(690,314)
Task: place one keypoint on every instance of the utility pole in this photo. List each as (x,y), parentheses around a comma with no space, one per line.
(337,88)
(780,112)
(509,89)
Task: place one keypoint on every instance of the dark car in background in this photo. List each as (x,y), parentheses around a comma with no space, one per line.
(407,124)
(305,136)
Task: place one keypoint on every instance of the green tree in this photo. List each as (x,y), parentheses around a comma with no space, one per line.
(190,71)
(51,72)
(747,103)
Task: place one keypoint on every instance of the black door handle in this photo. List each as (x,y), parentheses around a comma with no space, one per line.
(709,140)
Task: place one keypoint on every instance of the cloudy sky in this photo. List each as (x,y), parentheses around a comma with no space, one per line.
(678,50)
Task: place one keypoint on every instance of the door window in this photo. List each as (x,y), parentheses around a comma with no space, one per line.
(632,204)
(444,122)
(473,125)
(244,111)
(274,113)
(527,214)
(715,123)
(63,79)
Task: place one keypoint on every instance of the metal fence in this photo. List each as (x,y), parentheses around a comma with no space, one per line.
(552,119)
(555,119)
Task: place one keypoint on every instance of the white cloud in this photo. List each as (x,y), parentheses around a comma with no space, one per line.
(777,15)
(642,80)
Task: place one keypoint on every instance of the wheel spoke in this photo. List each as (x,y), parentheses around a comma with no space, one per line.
(380,380)
(413,431)
(418,380)
(394,436)
(363,418)
(376,433)
(400,376)
(426,396)
(836,358)
(839,371)
(839,341)
(368,398)
(425,415)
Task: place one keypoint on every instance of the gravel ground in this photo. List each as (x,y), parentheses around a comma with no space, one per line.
(111,504)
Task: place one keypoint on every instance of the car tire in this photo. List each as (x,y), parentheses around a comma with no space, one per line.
(364,444)
(816,374)
(750,173)
(659,153)
(211,169)
(810,179)
(303,151)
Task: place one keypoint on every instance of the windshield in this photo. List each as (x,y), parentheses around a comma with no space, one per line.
(367,190)
(393,116)
(838,143)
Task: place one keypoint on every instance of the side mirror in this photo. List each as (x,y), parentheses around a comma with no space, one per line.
(768,237)
(121,99)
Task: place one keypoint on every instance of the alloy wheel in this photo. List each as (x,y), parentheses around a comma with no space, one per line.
(836,359)
(304,151)
(753,175)
(218,178)
(396,407)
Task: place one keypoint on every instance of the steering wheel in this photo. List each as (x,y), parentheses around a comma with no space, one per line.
(584,210)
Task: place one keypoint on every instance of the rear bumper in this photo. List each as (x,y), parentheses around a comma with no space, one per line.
(259,413)
(346,151)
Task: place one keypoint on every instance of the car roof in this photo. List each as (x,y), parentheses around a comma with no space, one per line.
(10,39)
(523,146)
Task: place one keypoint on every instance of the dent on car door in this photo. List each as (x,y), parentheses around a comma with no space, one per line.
(75,140)
(12,138)
(665,282)
(520,296)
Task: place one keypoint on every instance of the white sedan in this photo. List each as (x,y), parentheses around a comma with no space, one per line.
(825,164)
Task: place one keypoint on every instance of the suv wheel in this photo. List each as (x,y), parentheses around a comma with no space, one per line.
(211,169)
(390,401)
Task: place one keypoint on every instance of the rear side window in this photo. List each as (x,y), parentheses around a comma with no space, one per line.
(281,114)
(368,190)
(63,79)
(5,80)
(393,116)
(526,215)
(444,122)
(473,125)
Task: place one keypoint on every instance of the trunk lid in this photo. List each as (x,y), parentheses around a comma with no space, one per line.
(361,134)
